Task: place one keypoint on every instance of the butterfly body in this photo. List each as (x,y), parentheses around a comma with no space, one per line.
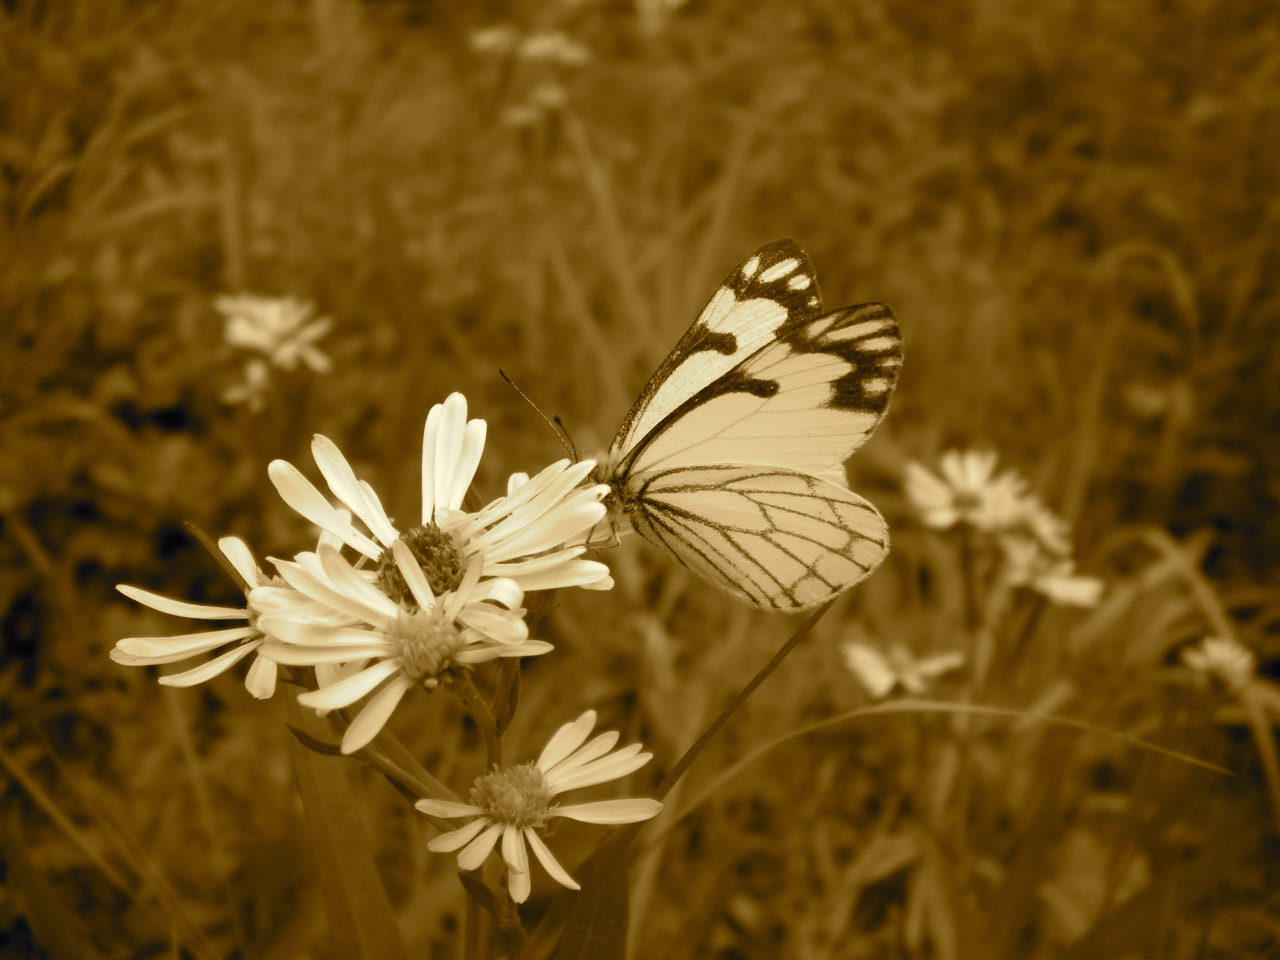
(732,459)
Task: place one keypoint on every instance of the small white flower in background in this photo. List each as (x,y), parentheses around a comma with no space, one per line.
(521,536)
(1029,565)
(415,640)
(968,491)
(554,47)
(514,803)
(248,639)
(280,330)
(498,39)
(1224,659)
(882,672)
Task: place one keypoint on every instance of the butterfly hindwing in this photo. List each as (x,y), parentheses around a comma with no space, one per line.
(772,288)
(778,539)
(804,401)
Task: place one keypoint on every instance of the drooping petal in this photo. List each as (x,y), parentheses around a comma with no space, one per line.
(373,717)
(549,862)
(260,681)
(516,857)
(310,655)
(210,668)
(351,689)
(448,842)
(475,852)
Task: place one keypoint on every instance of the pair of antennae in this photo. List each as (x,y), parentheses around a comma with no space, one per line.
(555,423)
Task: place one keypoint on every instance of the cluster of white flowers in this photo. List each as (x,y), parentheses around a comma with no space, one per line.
(415,607)
(968,491)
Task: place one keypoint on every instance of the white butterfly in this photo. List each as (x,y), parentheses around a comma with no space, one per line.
(732,460)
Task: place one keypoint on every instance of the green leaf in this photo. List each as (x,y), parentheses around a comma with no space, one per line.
(361,921)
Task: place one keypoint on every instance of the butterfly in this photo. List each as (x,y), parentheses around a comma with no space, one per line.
(732,459)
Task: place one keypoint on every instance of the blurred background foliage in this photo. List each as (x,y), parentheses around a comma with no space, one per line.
(1074,208)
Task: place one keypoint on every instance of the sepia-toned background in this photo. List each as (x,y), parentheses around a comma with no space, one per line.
(1073,206)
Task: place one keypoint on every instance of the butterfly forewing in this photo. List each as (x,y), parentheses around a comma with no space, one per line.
(775,538)
(805,401)
(773,287)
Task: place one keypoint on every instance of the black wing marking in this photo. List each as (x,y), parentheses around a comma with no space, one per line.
(773,288)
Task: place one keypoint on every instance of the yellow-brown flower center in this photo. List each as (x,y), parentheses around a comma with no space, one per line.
(438,554)
(517,795)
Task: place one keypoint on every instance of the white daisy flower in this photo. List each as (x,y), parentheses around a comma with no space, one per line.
(248,638)
(279,328)
(880,673)
(968,491)
(521,536)
(1224,659)
(1029,565)
(516,802)
(390,646)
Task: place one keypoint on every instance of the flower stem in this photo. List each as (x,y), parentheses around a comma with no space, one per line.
(465,690)
(691,754)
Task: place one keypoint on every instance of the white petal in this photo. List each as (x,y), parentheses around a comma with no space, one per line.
(450,435)
(411,570)
(608,768)
(373,717)
(429,431)
(347,488)
(261,678)
(196,611)
(237,551)
(871,668)
(611,811)
(549,862)
(593,750)
(350,689)
(448,809)
(575,573)
(208,670)
(566,740)
(172,649)
(346,580)
(310,655)
(478,849)
(468,461)
(516,857)
(298,492)
(494,622)
(448,842)
(500,590)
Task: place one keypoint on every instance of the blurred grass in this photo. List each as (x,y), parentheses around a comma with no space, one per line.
(1072,206)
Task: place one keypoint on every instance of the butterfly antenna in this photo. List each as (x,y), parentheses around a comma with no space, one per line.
(554,423)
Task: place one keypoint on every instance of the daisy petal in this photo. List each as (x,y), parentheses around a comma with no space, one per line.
(566,740)
(456,839)
(611,811)
(209,669)
(447,808)
(474,853)
(549,862)
(194,611)
(374,716)
(351,689)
